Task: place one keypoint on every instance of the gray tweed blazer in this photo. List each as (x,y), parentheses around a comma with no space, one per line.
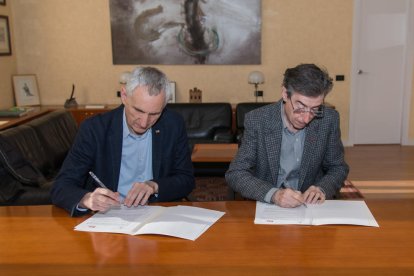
(254,170)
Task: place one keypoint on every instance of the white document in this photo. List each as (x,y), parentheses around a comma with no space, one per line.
(329,212)
(178,221)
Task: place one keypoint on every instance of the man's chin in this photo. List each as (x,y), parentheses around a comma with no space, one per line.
(299,127)
(140,131)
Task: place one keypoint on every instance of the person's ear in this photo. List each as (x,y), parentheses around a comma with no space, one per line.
(124,95)
(284,94)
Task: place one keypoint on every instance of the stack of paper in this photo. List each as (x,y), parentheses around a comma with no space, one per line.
(178,221)
(329,212)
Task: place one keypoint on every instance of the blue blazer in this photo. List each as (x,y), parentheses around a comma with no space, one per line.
(98,148)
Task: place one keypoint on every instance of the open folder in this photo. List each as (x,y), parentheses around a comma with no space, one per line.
(329,212)
(178,221)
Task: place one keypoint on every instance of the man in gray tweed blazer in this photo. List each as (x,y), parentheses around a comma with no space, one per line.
(291,151)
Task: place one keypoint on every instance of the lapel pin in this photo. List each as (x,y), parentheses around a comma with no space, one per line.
(157,131)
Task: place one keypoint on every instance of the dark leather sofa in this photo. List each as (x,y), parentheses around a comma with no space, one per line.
(206,122)
(241,110)
(31,155)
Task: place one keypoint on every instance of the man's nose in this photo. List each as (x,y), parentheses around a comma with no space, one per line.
(307,117)
(144,121)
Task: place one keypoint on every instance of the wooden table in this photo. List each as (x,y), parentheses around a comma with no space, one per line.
(214,153)
(40,240)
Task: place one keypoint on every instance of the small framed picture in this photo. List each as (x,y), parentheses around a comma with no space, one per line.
(25,90)
(3,2)
(172,92)
(5,44)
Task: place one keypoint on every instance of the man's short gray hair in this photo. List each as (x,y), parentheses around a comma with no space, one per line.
(156,81)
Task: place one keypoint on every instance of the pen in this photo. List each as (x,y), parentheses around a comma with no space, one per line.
(285,185)
(97,180)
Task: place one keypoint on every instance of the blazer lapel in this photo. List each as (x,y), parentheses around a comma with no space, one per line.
(273,140)
(157,135)
(115,144)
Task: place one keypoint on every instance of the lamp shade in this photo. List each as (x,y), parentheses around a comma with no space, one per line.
(256,77)
(123,78)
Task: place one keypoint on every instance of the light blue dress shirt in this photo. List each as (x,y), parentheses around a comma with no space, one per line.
(136,159)
(290,159)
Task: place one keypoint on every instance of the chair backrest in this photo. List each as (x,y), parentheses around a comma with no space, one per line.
(203,119)
(25,139)
(56,131)
(242,109)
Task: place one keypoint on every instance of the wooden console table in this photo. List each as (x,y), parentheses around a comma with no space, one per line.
(15,121)
(80,113)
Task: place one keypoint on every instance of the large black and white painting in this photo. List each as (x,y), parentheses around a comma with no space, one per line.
(186,31)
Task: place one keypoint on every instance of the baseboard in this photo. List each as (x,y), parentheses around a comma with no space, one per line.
(408,143)
(347,143)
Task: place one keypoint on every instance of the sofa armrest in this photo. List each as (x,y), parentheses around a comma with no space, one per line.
(223,136)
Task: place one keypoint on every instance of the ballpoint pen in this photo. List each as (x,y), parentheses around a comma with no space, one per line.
(287,186)
(97,180)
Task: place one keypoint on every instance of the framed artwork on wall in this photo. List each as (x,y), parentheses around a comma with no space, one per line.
(26,91)
(186,31)
(5,44)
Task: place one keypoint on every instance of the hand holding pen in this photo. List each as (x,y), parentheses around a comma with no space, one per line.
(101,199)
(288,198)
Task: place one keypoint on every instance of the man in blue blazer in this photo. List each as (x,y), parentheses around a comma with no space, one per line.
(291,151)
(138,151)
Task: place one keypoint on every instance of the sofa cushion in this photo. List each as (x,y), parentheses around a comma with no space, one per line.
(16,172)
(241,110)
(56,131)
(26,140)
(18,166)
(203,120)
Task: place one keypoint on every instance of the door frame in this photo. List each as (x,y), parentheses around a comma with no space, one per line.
(407,78)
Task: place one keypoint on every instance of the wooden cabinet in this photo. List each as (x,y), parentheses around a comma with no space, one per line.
(81,113)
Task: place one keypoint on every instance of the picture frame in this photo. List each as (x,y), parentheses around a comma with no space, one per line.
(26,91)
(5,44)
(172,92)
(3,2)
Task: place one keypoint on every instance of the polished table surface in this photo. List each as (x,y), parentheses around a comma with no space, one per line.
(40,240)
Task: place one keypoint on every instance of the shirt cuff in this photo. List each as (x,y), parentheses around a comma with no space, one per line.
(269,195)
(80,209)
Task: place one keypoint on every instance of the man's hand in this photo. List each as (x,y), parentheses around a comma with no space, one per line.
(100,200)
(314,195)
(140,192)
(288,198)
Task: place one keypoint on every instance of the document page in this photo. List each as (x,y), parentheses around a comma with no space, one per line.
(329,212)
(179,221)
(342,212)
(182,221)
(273,214)
(120,219)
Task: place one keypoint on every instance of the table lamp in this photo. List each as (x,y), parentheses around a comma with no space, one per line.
(123,78)
(256,78)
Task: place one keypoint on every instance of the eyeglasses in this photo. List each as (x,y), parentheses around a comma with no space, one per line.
(317,112)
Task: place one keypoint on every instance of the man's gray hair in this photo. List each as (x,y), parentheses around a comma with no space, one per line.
(156,81)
